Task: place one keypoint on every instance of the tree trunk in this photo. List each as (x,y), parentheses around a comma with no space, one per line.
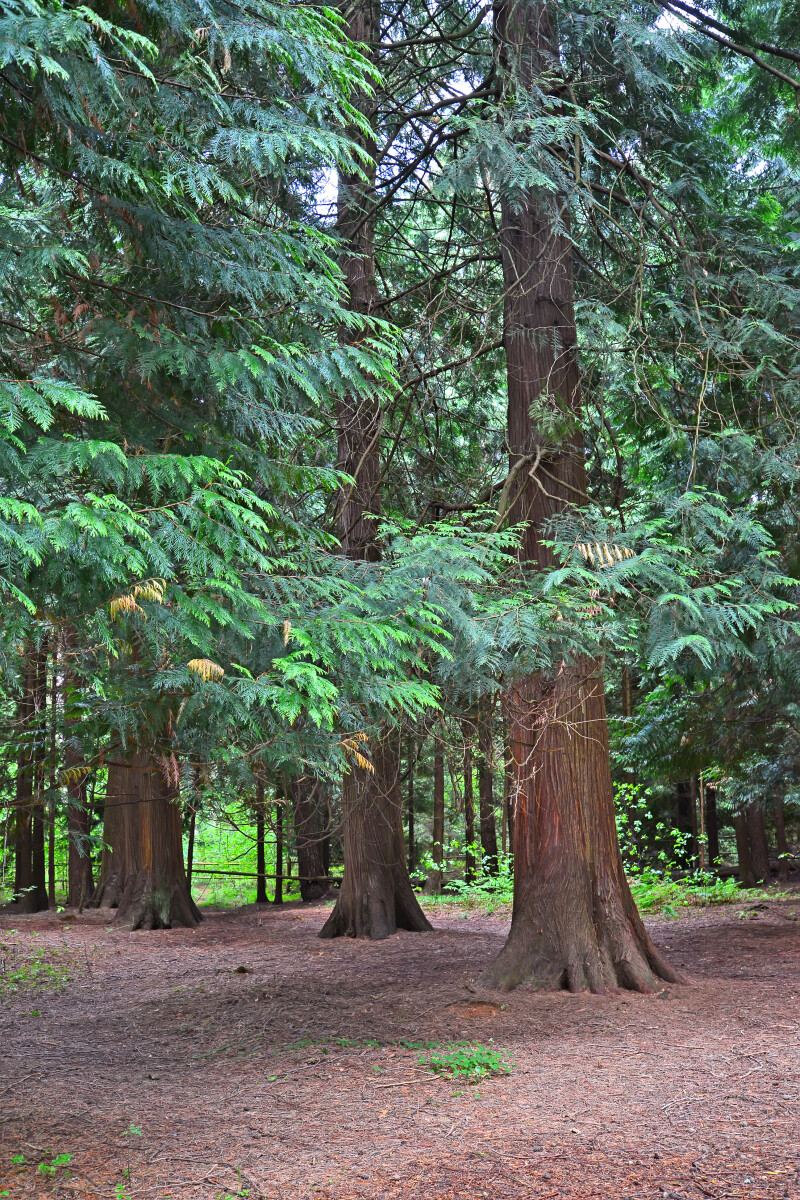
(261,863)
(376,898)
(746,875)
(486,792)
(412,750)
(51,805)
(574,922)
(759,849)
(156,892)
(38,899)
(23,800)
(695,844)
(433,884)
(190,847)
(712,827)
(79,864)
(508,783)
(308,799)
(118,832)
(278,896)
(470,864)
(683,816)
(142,872)
(30,878)
(780,838)
(376,895)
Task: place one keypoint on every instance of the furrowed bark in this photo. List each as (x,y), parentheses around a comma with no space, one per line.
(759,849)
(142,873)
(747,876)
(574,923)
(376,898)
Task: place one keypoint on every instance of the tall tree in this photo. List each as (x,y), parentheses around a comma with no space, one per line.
(376,897)
(574,923)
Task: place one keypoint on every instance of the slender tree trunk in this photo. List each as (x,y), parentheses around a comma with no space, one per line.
(759,849)
(51,806)
(278,897)
(712,827)
(412,750)
(376,895)
(23,800)
(38,900)
(683,815)
(261,862)
(780,838)
(433,884)
(574,922)
(308,800)
(486,792)
(746,874)
(693,800)
(79,863)
(508,782)
(470,864)
(118,833)
(190,847)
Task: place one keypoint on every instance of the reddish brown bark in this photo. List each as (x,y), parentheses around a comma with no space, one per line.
(376,895)
(746,874)
(376,898)
(142,871)
(574,922)
(759,849)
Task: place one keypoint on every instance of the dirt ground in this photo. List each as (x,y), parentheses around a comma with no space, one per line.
(165,1071)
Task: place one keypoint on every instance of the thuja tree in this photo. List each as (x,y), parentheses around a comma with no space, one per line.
(376,896)
(171,320)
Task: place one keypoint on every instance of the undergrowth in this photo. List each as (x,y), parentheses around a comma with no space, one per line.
(471,1063)
(21,969)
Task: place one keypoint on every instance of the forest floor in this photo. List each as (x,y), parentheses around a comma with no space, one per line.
(247,1058)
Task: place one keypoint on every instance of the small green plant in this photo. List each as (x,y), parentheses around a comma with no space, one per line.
(18,1159)
(48,1168)
(470,1063)
(134,1130)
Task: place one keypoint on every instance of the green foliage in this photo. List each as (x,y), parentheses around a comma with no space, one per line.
(21,971)
(472,1063)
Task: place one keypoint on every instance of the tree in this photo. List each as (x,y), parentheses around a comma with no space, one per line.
(575,923)
(376,897)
